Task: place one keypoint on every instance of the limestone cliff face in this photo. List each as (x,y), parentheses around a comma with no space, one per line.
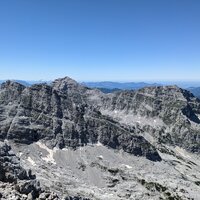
(68,114)
(60,115)
(170,114)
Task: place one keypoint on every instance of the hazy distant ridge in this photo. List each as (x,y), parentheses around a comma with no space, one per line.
(109,86)
(195,91)
(118,85)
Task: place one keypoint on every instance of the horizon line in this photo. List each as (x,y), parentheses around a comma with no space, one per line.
(118,81)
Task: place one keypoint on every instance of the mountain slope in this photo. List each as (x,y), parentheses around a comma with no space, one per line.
(60,115)
(84,143)
(168,113)
(195,91)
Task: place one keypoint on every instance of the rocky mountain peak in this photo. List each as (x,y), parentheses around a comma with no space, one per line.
(12,85)
(10,91)
(169,92)
(66,84)
(61,116)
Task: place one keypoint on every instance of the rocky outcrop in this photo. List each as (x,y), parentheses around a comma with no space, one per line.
(14,180)
(18,183)
(10,167)
(60,115)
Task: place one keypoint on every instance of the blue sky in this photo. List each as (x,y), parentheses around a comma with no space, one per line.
(94,40)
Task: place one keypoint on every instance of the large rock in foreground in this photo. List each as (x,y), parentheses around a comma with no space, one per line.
(14,180)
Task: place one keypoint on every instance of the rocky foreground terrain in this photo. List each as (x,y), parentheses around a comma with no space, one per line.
(67,141)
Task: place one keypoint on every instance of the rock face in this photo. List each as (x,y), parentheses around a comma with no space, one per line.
(84,144)
(13,176)
(169,114)
(60,115)
(10,167)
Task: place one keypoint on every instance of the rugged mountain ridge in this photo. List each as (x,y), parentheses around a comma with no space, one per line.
(59,114)
(69,114)
(168,113)
(84,144)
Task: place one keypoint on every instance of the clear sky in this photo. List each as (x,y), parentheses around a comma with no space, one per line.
(93,40)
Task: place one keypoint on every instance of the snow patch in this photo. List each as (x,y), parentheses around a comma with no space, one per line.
(100,157)
(182,152)
(65,149)
(127,166)
(49,158)
(6,141)
(99,144)
(31,161)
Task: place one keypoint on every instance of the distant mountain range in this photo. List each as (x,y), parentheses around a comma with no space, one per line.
(106,90)
(195,91)
(118,85)
(27,83)
(109,86)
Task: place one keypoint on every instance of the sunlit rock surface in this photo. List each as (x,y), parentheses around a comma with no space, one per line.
(84,144)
